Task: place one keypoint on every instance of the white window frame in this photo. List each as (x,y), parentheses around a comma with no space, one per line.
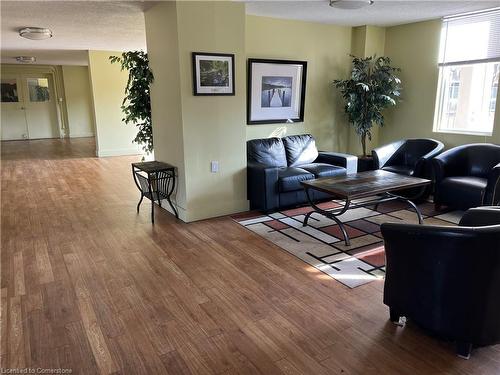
(443,91)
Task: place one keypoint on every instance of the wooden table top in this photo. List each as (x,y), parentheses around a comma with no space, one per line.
(364,184)
(153,166)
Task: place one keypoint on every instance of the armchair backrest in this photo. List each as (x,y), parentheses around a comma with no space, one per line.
(481,158)
(415,149)
(300,149)
(476,160)
(412,150)
(267,151)
(406,152)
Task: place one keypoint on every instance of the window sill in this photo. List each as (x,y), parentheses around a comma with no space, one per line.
(465,132)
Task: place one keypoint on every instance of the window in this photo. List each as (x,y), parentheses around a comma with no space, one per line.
(494,89)
(469,70)
(38,89)
(9,91)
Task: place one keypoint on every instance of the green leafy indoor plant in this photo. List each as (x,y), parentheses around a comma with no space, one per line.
(372,87)
(136,105)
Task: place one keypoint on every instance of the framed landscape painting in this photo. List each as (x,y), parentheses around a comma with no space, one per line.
(213,73)
(276,91)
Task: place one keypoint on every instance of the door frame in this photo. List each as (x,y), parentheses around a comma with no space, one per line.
(29,104)
(56,74)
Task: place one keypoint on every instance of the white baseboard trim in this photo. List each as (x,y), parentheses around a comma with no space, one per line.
(118,152)
(81,135)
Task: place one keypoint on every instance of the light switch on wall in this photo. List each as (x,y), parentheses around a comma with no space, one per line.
(214,166)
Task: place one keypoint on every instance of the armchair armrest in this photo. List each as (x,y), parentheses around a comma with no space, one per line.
(422,168)
(349,162)
(492,194)
(262,186)
(481,216)
(381,155)
(449,163)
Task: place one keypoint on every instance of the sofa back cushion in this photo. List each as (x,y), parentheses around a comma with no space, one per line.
(300,149)
(267,151)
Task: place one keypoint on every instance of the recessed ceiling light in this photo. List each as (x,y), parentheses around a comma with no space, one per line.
(35,33)
(26,59)
(350,4)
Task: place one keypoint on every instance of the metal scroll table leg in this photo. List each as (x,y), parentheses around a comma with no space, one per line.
(138,187)
(415,208)
(140,201)
(410,203)
(152,201)
(329,214)
(169,193)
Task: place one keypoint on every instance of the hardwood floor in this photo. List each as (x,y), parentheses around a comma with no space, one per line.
(88,285)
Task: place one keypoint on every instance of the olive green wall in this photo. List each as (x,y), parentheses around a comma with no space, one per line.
(78,102)
(208,127)
(326,49)
(366,41)
(415,48)
(107,88)
(191,131)
(166,103)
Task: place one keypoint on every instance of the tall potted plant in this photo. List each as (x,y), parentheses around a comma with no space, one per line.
(136,105)
(372,87)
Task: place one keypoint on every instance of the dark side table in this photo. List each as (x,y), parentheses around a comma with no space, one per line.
(156,182)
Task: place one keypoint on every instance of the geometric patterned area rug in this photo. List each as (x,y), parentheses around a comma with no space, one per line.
(321,245)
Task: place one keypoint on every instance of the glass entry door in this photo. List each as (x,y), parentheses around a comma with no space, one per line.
(29,108)
(14,124)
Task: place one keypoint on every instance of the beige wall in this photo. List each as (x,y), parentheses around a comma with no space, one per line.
(107,85)
(210,128)
(166,103)
(326,49)
(366,41)
(414,48)
(78,101)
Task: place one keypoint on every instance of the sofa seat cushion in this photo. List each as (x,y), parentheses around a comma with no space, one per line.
(399,169)
(289,178)
(466,189)
(323,170)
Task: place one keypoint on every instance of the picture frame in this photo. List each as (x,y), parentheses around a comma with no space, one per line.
(213,74)
(276,91)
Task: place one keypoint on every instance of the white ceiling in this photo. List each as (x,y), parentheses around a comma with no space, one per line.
(77,26)
(119,26)
(381,13)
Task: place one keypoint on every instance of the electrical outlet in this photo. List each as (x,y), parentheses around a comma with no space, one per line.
(214,166)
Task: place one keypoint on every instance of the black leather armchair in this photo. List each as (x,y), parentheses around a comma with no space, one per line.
(447,279)
(409,157)
(468,176)
(276,166)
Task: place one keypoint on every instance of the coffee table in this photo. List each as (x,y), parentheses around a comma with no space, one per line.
(362,185)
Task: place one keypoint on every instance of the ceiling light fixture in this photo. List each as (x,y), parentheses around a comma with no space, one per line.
(35,33)
(350,4)
(26,59)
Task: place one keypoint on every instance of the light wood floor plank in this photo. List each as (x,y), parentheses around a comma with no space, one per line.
(88,284)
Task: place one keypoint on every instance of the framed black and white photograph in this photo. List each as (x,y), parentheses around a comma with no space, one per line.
(276,91)
(213,73)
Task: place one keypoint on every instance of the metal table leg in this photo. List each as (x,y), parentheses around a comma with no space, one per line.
(169,193)
(386,197)
(329,214)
